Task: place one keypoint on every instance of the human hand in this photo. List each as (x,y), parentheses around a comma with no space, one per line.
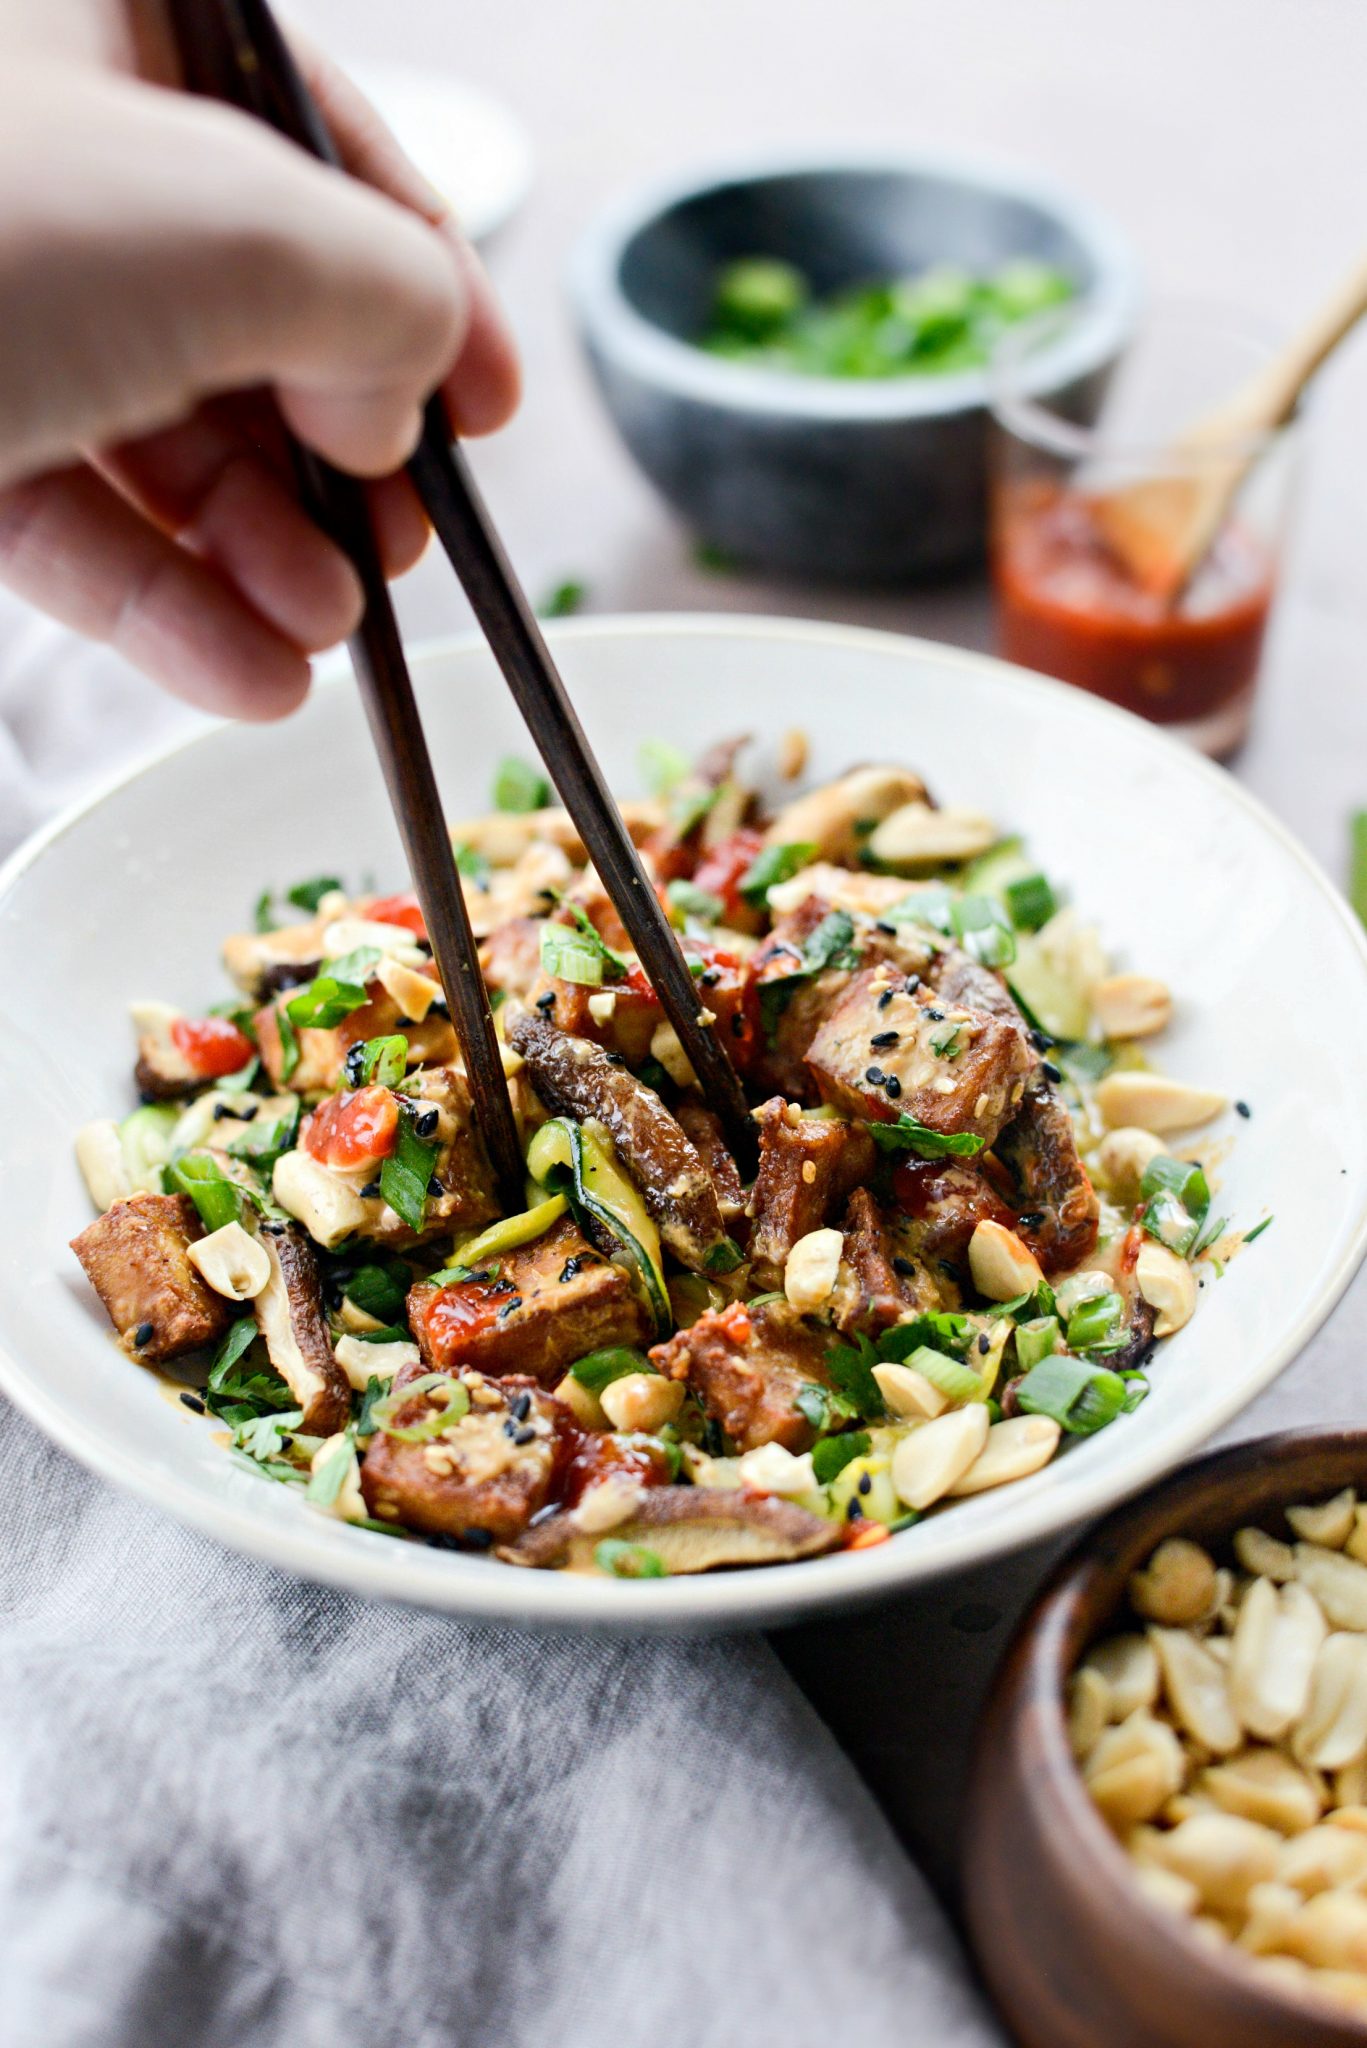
(177,281)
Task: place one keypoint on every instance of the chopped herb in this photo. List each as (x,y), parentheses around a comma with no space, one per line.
(407,1172)
(690,805)
(774,864)
(1092,1324)
(472,866)
(944,1043)
(932,907)
(598,1369)
(218,1199)
(262,1144)
(1030,902)
(329,1477)
(1080,1061)
(383,1061)
(564,601)
(1257,1230)
(234,1392)
(375,1390)
(1357,867)
(380,1290)
(723,1257)
(984,930)
(333,995)
(1080,1397)
(518,787)
(907,1135)
(579,954)
(241,1081)
(289,1044)
(691,901)
(829,945)
(663,766)
(264,1436)
(308,895)
(711,555)
(851,1369)
(834,1453)
(628,1560)
(813,1403)
(263,912)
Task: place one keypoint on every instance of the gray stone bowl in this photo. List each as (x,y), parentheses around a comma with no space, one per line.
(827,478)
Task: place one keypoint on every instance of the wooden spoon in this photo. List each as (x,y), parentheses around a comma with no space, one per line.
(1163,528)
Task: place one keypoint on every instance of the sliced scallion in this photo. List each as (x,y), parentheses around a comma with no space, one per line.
(405,1174)
(984,930)
(1030,902)
(1079,1396)
(598,1369)
(956,1382)
(1093,1322)
(774,864)
(1035,1340)
(519,787)
(628,1560)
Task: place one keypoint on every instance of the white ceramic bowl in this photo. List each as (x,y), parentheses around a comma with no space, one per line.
(130,895)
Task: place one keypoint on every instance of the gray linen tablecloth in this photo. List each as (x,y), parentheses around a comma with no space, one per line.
(239,1811)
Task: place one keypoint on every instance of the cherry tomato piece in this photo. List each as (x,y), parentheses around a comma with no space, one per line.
(722,870)
(211,1046)
(353,1128)
(402,910)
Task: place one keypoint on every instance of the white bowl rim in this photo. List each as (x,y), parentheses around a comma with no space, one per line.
(609,321)
(764,1595)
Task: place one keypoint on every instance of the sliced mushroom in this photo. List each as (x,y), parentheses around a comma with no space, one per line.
(574,1077)
(690,1529)
(262,962)
(289,1314)
(162,1073)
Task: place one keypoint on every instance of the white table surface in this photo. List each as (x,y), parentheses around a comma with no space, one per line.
(1227,139)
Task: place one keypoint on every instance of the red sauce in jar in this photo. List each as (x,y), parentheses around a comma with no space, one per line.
(1067,607)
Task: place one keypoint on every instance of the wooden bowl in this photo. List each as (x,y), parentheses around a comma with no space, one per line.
(1074,1953)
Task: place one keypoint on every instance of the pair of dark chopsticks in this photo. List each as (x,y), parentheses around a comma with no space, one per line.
(233,50)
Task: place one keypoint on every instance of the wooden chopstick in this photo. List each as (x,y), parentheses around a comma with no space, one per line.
(218,52)
(453,504)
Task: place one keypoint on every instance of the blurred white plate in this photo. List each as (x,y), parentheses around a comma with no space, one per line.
(472,147)
(131,895)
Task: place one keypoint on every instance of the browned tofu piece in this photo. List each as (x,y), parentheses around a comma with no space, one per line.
(940,1203)
(1060,1213)
(136,1257)
(808,1166)
(795,1003)
(510,957)
(890,1049)
(489,1471)
(551,1302)
(747,1366)
(883,1280)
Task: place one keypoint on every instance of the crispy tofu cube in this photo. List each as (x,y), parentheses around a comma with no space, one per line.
(136,1257)
(489,1471)
(808,1166)
(747,1366)
(890,1048)
(551,1302)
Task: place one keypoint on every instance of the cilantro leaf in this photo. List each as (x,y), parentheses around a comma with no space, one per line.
(774,864)
(308,895)
(907,1135)
(405,1174)
(851,1369)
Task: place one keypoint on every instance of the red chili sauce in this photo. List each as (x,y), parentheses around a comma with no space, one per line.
(1067,607)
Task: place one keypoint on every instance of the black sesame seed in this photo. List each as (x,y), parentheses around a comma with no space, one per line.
(546,1001)
(370,1190)
(737,1024)
(614,1059)
(525,1435)
(1242,1109)
(1050,1071)
(143,1335)
(882,1039)
(913,982)
(520,1407)
(1040,1040)
(1031,1219)
(885,999)
(222,1109)
(570,1268)
(438,1007)
(935,1016)
(353,1066)
(478,1539)
(984,1343)
(509,1306)
(193,1401)
(874,1075)
(865,1482)
(426,1124)
(903,1266)
(147,1096)
(880,924)
(892,1087)
(854,1513)
(434,1186)
(440,1540)
(710,976)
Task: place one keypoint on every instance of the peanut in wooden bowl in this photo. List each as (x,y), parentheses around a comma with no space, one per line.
(1074,1953)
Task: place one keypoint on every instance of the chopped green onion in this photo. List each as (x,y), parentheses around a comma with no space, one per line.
(562,602)
(289,1044)
(722,1257)
(376,1390)
(308,895)
(1093,1322)
(405,1174)
(628,1560)
(335,993)
(907,1135)
(439,1416)
(663,767)
(984,930)
(329,1477)
(932,907)
(518,787)
(261,1144)
(813,1403)
(691,901)
(772,865)
(1257,1230)
(578,953)
(956,1382)
(379,1291)
(598,1369)
(834,1453)
(217,1199)
(1030,902)
(1036,1340)
(944,1042)
(757,295)
(263,912)
(241,1081)
(1080,1397)
(1164,1218)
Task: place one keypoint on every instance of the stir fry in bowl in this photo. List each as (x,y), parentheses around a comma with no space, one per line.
(972,1207)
